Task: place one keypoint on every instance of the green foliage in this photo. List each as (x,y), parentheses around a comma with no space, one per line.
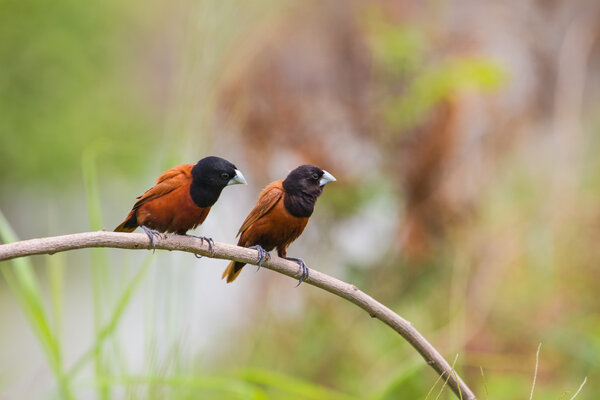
(411,83)
(190,387)
(60,88)
(434,84)
(283,386)
(405,382)
(397,48)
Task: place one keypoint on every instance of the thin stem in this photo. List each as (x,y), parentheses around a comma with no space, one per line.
(537,360)
(580,387)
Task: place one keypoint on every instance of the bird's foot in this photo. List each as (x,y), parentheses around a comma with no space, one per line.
(152,234)
(302,270)
(262,254)
(211,244)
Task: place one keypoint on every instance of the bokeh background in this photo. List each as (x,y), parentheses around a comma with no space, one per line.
(464,136)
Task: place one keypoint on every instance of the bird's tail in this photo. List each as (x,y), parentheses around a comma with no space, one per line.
(129,225)
(232,271)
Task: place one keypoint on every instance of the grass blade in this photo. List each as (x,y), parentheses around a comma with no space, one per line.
(238,388)
(20,276)
(98,258)
(108,330)
(292,386)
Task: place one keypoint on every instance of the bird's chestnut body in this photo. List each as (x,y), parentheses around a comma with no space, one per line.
(281,213)
(182,196)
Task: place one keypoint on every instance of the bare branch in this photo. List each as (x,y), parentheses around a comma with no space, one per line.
(51,245)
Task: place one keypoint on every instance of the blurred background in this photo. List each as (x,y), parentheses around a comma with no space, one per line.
(464,137)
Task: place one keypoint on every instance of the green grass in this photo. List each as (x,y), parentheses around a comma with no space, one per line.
(184,387)
(101,290)
(291,387)
(23,282)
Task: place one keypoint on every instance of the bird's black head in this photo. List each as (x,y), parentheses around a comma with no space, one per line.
(210,175)
(303,185)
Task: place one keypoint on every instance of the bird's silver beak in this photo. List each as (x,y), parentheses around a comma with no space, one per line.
(238,178)
(326,178)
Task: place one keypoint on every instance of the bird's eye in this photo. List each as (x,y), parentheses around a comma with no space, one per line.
(315,176)
(225,175)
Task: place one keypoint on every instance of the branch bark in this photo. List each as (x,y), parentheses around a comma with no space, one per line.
(51,245)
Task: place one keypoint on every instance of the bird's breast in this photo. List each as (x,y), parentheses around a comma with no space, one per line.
(173,212)
(277,228)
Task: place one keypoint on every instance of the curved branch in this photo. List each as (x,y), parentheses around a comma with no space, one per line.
(51,245)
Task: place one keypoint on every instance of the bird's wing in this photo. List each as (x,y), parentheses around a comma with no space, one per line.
(168,181)
(266,201)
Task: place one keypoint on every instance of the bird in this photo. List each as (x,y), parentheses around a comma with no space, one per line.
(181,198)
(279,217)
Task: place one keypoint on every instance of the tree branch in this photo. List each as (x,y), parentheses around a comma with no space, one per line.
(51,245)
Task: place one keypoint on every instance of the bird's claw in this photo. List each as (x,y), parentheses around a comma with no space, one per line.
(262,254)
(303,270)
(211,245)
(151,235)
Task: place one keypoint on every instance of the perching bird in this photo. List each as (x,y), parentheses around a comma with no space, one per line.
(280,215)
(181,198)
